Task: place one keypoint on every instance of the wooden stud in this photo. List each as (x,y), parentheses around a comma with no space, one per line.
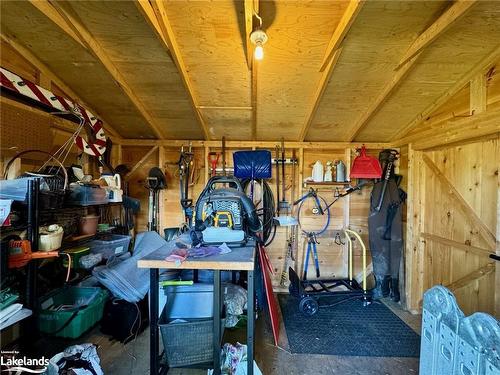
(141,162)
(50,75)
(455,244)
(207,165)
(254,72)
(443,23)
(481,67)
(467,210)
(92,45)
(478,94)
(473,276)
(323,83)
(341,31)
(166,35)
(382,98)
(162,193)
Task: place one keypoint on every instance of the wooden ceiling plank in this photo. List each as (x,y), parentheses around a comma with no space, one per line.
(443,23)
(325,78)
(481,67)
(155,14)
(47,72)
(50,12)
(94,47)
(382,98)
(341,31)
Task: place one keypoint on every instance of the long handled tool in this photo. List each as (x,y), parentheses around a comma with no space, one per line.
(391,158)
(185,161)
(311,248)
(213,159)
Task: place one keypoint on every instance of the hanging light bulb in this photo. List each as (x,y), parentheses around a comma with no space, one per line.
(259,38)
(259,51)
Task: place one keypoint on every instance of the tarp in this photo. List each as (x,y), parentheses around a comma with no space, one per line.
(252,164)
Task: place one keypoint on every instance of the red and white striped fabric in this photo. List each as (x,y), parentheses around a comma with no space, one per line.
(15,83)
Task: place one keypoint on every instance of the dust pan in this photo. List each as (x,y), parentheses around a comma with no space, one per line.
(365,166)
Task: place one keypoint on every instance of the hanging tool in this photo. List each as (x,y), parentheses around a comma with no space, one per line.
(365,166)
(391,158)
(156,182)
(283,204)
(213,159)
(223,156)
(311,248)
(185,161)
(277,181)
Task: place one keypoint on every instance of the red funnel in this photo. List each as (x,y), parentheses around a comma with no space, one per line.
(365,166)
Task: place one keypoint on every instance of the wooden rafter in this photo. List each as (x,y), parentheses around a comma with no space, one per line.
(155,14)
(341,31)
(323,83)
(467,210)
(481,67)
(249,11)
(443,23)
(382,98)
(46,71)
(458,245)
(471,277)
(99,52)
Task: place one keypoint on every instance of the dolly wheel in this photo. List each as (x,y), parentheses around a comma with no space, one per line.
(308,306)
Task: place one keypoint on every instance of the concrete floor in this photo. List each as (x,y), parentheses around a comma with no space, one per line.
(133,358)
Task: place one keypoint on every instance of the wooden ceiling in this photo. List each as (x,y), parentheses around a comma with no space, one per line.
(332,70)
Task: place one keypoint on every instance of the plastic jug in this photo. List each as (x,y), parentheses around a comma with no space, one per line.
(340,172)
(317,172)
(112,181)
(328,172)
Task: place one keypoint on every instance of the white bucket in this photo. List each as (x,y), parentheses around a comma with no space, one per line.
(50,237)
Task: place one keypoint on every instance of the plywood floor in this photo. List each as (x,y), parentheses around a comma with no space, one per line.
(133,358)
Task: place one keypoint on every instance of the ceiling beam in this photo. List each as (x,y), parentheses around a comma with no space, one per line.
(443,23)
(249,11)
(93,46)
(323,83)
(155,14)
(481,67)
(341,31)
(381,99)
(48,73)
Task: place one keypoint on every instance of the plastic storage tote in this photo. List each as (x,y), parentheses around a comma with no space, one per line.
(75,253)
(86,195)
(77,309)
(110,245)
(189,301)
(188,343)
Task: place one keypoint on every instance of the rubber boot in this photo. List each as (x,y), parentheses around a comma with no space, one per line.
(385,286)
(377,291)
(395,290)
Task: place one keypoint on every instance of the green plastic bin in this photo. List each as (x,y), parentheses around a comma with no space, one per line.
(77,320)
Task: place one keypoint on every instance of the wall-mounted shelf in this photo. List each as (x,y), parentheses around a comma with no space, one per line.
(326,183)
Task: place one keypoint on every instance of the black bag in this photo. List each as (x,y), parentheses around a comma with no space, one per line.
(124,320)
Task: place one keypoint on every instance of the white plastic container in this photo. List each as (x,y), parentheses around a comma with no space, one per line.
(189,301)
(340,169)
(317,173)
(50,237)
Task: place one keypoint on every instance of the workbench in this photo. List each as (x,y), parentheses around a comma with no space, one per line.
(239,259)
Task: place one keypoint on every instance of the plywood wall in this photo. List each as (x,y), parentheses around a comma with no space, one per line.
(348,212)
(454,208)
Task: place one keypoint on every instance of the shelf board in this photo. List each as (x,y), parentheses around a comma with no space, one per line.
(327,183)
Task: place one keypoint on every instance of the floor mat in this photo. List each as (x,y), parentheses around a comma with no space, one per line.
(349,329)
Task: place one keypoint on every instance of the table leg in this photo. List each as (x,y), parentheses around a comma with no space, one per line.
(154,348)
(251,321)
(217,326)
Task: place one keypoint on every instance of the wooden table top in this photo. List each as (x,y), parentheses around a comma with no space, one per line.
(239,259)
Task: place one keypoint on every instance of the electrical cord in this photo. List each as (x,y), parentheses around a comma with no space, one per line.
(266,213)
